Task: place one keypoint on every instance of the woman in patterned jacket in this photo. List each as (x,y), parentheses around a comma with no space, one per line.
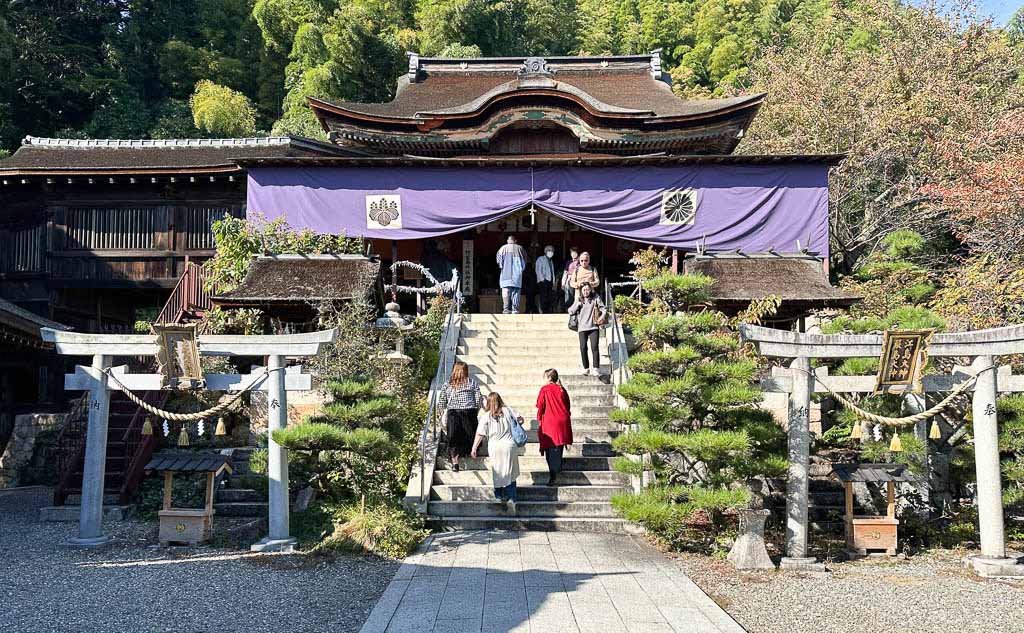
(460,402)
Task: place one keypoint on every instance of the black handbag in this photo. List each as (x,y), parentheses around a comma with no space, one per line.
(574,321)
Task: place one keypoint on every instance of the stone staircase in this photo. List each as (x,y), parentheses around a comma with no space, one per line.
(509,354)
(236,497)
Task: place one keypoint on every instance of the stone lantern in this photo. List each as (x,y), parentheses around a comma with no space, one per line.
(392,320)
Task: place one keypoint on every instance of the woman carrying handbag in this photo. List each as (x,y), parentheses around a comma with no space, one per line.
(502,428)
(589,316)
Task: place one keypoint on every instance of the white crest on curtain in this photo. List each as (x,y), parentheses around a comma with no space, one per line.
(384,212)
(679,206)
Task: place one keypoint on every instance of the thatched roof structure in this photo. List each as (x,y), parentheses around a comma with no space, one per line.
(798,280)
(301,280)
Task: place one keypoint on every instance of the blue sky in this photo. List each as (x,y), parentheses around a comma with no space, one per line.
(1000,9)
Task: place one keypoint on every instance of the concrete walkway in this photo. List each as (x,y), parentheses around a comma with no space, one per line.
(541,582)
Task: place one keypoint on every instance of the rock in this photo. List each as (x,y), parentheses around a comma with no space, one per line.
(22,446)
(749,552)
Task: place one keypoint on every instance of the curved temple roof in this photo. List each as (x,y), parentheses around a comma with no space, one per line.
(624,95)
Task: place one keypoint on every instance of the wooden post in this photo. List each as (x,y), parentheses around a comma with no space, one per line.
(90,524)
(209,492)
(168,487)
(890,491)
(848,489)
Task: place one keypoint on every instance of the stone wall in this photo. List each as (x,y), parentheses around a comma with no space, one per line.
(300,405)
(29,453)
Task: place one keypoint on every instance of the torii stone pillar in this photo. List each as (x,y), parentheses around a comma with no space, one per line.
(90,520)
(276,380)
(799,450)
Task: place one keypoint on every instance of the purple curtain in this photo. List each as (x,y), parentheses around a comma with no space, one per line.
(747,207)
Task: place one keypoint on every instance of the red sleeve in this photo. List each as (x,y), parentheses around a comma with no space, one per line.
(565,399)
(541,403)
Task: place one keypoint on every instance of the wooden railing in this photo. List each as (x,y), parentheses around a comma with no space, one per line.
(70,445)
(190,297)
(139,448)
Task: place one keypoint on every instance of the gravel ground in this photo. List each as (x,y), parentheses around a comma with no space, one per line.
(927,593)
(131,586)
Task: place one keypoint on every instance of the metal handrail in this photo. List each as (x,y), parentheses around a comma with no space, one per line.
(449,343)
(616,342)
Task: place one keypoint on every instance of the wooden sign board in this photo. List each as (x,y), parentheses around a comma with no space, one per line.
(904,354)
(178,356)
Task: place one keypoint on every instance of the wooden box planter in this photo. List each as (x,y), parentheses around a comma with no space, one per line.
(872,534)
(187,526)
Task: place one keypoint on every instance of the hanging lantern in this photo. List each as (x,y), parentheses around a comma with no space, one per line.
(183,436)
(147,426)
(857,432)
(935,433)
(895,446)
(222,428)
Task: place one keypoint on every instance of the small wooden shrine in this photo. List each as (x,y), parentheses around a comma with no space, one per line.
(187,526)
(867,534)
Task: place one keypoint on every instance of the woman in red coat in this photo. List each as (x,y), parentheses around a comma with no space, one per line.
(555,423)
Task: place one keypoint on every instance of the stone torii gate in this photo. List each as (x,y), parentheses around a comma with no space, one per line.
(274,379)
(984,346)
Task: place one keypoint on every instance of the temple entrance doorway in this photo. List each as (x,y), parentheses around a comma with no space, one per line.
(472,253)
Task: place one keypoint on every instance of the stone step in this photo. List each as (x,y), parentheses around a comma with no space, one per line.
(579,449)
(518,345)
(111,497)
(241,509)
(527,409)
(574,524)
(829,498)
(73,513)
(524,509)
(532,463)
(566,493)
(576,392)
(240,495)
(533,478)
(580,423)
(490,316)
(520,377)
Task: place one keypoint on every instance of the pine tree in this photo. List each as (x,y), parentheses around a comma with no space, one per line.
(694,402)
(344,448)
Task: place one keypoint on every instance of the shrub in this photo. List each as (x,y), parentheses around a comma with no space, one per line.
(384,530)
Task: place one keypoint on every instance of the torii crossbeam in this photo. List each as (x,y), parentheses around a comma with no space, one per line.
(274,379)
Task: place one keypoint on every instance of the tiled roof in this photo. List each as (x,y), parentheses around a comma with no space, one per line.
(794,279)
(302,279)
(623,85)
(188,462)
(104,156)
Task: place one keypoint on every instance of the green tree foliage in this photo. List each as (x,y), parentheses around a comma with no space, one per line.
(694,399)
(221,111)
(895,87)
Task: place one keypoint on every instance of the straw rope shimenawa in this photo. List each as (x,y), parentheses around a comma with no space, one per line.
(905,421)
(187,417)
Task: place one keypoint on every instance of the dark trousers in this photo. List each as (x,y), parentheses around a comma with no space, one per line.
(505,493)
(553,456)
(594,336)
(546,296)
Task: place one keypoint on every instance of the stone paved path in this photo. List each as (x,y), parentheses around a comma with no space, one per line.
(541,582)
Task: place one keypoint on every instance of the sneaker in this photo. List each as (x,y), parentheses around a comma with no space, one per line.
(511,507)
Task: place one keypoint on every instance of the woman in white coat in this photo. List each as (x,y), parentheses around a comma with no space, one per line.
(495,426)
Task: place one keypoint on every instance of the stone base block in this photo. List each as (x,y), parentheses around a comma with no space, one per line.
(801,564)
(283,545)
(71,514)
(95,541)
(989,567)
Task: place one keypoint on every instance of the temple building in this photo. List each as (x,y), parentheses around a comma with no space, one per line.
(596,153)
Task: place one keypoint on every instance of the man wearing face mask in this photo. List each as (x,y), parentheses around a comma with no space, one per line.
(545,269)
